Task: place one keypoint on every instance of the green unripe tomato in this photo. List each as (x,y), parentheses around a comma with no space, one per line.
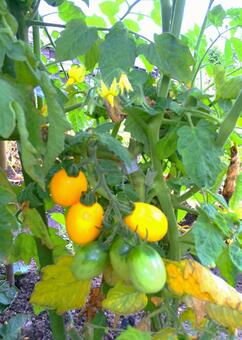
(89,261)
(146,269)
(118,258)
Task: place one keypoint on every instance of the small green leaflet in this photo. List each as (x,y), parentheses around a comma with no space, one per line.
(8,224)
(7,193)
(109,8)
(134,334)
(24,249)
(7,294)
(208,240)
(216,16)
(235,252)
(236,199)
(75,40)
(124,299)
(167,144)
(200,155)
(69,11)
(170,55)
(117,53)
(12,329)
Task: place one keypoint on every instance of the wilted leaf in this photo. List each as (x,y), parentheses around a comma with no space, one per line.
(59,289)
(123,299)
(188,277)
(134,334)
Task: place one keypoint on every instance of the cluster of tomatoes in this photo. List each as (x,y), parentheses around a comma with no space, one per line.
(140,265)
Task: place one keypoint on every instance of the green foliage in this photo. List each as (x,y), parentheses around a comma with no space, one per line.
(134,334)
(12,329)
(208,239)
(202,164)
(170,55)
(8,224)
(75,40)
(115,60)
(68,11)
(7,295)
(235,200)
(24,249)
(124,299)
(216,16)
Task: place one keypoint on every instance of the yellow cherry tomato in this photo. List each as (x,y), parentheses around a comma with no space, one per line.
(148,221)
(67,190)
(83,223)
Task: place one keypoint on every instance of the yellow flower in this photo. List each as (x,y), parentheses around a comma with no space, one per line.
(44,111)
(76,75)
(124,83)
(109,93)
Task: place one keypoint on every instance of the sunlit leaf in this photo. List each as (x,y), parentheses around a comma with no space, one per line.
(24,249)
(225,316)
(59,289)
(216,16)
(188,277)
(124,299)
(134,334)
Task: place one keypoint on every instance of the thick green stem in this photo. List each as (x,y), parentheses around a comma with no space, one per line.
(199,40)
(177,17)
(162,190)
(166,13)
(229,122)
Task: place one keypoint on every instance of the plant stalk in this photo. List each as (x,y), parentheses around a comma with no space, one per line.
(229,122)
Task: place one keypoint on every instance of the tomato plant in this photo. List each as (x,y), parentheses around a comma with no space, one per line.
(138,138)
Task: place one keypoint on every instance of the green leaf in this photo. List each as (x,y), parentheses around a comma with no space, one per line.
(54,3)
(117,53)
(115,146)
(230,88)
(8,224)
(235,252)
(24,249)
(225,316)
(134,334)
(59,244)
(109,8)
(7,194)
(92,56)
(59,289)
(131,25)
(237,44)
(8,94)
(7,294)
(75,40)
(156,13)
(136,124)
(96,333)
(216,16)
(33,221)
(12,329)
(58,124)
(170,55)
(30,156)
(228,53)
(202,164)
(167,144)
(226,267)
(68,11)
(123,299)
(96,21)
(208,240)
(235,200)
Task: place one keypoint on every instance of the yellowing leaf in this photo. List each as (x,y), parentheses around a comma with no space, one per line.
(59,289)
(226,317)
(123,299)
(166,334)
(188,277)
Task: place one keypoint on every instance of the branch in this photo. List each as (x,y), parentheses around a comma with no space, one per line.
(129,9)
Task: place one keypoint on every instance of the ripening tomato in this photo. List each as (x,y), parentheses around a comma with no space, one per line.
(148,221)
(89,261)
(118,257)
(83,223)
(146,269)
(67,190)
